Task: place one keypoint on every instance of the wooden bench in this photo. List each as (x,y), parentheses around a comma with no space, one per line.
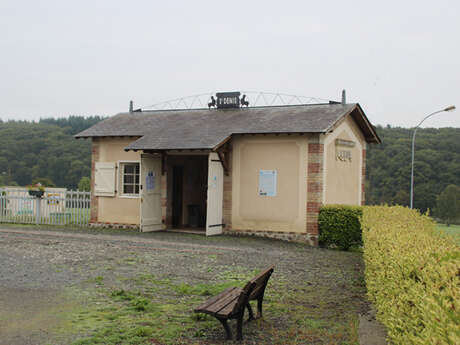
(230,303)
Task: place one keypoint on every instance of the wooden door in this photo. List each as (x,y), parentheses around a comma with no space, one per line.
(151,193)
(215,200)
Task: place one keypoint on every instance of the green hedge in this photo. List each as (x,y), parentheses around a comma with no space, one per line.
(340,226)
(412,276)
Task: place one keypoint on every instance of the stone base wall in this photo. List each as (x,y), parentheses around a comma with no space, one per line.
(114,226)
(284,236)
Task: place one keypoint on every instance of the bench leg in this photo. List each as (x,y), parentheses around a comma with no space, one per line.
(251,313)
(239,326)
(228,332)
(259,306)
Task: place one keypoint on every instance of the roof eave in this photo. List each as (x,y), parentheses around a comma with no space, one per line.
(373,138)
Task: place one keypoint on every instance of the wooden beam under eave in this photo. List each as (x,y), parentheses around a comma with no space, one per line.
(224,161)
(163,163)
(222,143)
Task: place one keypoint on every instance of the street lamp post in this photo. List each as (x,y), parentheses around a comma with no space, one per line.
(450,108)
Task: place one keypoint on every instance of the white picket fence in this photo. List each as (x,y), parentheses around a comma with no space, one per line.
(56,207)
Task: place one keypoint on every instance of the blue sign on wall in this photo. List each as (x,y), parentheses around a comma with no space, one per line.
(150,181)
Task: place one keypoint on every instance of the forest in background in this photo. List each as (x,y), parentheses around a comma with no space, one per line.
(437,165)
(47,149)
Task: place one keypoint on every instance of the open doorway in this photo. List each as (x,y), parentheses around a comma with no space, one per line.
(177,196)
(187,191)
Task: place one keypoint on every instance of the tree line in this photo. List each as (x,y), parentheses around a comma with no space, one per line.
(47,151)
(437,165)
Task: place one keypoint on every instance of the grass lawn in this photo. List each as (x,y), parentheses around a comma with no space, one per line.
(452,230)
(159,311)
(71,216)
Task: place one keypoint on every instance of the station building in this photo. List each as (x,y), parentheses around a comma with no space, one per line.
(252,170)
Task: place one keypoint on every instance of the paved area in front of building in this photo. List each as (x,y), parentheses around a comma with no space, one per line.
(60,286)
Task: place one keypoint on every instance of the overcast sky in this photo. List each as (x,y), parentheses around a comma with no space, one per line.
(399,59)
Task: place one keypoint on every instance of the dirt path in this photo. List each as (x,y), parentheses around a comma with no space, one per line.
(27,315)
(46,276)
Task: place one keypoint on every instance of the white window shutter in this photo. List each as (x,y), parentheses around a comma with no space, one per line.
(104,184)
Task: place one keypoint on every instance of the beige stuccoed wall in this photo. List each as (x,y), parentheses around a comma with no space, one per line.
(343,178)
(285,212)
(118,209)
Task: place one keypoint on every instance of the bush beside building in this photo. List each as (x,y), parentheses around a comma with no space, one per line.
(340,226)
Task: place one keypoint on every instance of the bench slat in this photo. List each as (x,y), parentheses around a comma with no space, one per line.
(261,281)
(229,298)
(256,292)
(227,310)
(212,300)
(261,277)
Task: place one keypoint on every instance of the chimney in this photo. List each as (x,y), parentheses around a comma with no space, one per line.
(131,106)
(344,97)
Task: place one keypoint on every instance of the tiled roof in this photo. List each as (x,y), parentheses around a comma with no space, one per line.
(206,129)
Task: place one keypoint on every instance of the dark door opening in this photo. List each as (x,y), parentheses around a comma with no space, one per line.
(177,197)
(187,189)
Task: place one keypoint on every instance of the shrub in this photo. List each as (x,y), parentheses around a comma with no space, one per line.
(448,204)
(44,181)
(85,184)
(340,225)
(412,276)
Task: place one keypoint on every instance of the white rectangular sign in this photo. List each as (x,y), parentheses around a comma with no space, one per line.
(267,182)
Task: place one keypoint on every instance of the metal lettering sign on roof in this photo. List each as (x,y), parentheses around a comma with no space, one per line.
(228,100)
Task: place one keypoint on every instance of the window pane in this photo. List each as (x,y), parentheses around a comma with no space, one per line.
(131,178)
(128,189)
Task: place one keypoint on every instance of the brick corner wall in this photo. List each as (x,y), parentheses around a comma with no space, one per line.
(95,149)
(363,179)
(314,188)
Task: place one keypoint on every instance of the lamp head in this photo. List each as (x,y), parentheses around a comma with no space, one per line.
(450,108)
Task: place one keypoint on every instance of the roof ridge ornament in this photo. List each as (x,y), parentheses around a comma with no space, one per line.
(244,102)
(212,103)
(253,99)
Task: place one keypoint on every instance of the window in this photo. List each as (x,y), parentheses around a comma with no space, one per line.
(130,178)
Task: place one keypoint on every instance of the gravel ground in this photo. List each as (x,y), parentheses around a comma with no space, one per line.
(39,266)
